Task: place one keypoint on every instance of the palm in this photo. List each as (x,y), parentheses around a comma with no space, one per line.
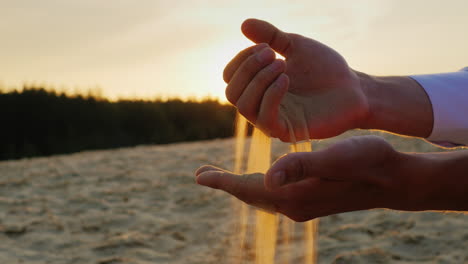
(337,179)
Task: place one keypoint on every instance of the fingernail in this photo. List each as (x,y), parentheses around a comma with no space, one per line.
(265,55)
(278,178)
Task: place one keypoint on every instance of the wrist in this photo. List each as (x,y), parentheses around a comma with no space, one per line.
(400,187)
(368,85)
(430,181)
(413,182)
(396,104)
(446,182)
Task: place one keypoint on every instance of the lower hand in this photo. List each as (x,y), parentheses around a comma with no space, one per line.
(355,174)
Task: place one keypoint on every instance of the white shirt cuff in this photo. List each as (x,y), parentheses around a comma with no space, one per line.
(448,93)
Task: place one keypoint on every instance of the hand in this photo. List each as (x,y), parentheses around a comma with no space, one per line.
(355,174)
(326,93)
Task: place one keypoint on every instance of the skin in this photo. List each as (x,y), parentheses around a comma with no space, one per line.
(336,98)
(355,174)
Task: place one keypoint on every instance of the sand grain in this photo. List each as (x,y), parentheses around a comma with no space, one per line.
(141,205)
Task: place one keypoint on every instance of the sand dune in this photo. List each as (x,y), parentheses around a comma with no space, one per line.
(140,205)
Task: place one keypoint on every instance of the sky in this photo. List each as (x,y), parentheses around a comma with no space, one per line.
(170,48)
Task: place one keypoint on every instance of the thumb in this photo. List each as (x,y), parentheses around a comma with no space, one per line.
(248,188)
(291,168)
(260,31)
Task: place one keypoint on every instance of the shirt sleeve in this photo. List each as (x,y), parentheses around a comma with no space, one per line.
(448,93)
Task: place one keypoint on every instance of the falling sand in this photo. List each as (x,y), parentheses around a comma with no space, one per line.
(268,225)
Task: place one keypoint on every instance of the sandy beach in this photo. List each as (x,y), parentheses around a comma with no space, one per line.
(141,205)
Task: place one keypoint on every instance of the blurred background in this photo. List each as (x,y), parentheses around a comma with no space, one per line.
(78,75)
(105,74)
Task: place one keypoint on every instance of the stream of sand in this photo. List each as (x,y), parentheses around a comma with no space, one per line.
(268,226)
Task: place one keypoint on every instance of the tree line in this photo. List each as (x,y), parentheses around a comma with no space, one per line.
(38,122)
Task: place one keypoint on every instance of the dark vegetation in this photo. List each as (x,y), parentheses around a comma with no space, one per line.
(36,122)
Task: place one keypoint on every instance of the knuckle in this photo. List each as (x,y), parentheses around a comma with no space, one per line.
(237,187)
(280,40)
(265,77)
(251,65)
(246,109)
(262,123)
(239,190)
(230,95)
(234,64)
(301,167)
(295,163)
(295,167)
(227,75)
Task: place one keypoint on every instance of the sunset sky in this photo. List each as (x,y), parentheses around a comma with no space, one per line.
(167,48)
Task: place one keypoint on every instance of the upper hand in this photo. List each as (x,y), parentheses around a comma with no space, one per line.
(313,77)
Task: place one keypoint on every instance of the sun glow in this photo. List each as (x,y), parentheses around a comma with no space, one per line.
(180,48)
(208,77)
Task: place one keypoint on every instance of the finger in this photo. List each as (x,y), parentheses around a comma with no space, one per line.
(295,167)
(234,64)
(343,161)
(268,117)
(249,102)
(248,188)
(260,31)
(362,158)
(205,168)
(246,72)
